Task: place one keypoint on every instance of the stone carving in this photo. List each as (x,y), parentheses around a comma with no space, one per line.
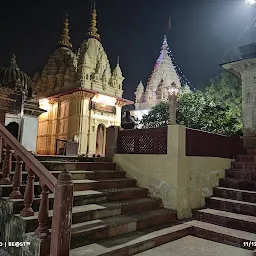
(88,69)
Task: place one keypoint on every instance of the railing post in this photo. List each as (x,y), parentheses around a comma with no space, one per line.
(62,215)
(43,212)
(111,142)
(29,195)
(7,166)
(1,149)
(42,229)
(17,180)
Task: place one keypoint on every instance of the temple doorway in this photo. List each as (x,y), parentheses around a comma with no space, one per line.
(13,128)
(100,140)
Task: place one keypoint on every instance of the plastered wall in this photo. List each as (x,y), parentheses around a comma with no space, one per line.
(182,182)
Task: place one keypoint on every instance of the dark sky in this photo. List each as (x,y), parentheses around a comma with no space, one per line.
(202,31)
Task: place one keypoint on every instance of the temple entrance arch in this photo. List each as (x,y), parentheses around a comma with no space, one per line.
(100,140)
(13,128)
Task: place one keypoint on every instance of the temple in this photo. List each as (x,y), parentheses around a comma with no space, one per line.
(81,94)
(74,99)
(22,125)
(163,76)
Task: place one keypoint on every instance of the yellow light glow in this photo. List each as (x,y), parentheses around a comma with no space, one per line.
(107,100)
(44,104)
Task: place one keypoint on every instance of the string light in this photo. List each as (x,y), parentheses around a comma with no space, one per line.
(165,50)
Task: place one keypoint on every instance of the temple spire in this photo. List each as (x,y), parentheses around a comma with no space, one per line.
(64,42)
(93,27)
(13,61)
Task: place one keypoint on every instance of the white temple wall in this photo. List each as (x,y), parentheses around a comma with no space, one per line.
(29,133)
(11,118)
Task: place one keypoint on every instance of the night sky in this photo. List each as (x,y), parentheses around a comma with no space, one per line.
(202,32)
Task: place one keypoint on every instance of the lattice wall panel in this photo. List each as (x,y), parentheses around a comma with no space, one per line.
(162,143)
(142,141)
(146,144)
(127,144)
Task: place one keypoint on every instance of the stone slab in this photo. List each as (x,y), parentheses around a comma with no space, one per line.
(193,246)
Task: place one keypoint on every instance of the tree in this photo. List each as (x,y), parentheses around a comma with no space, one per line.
(157,116)
(218,108)
(226,90)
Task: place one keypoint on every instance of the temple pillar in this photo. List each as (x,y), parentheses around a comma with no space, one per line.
(246,70)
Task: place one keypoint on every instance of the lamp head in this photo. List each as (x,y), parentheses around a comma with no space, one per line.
(173,91)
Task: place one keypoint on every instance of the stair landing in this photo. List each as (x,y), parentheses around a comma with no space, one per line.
(193,246)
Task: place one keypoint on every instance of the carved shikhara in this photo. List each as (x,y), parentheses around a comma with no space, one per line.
(162,78)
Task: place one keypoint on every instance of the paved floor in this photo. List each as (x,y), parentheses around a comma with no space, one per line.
(193,246)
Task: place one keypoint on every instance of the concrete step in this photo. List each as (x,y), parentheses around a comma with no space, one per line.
(228,219)
(82,174)
(115,226)
(104,184)
(88,197)
(251,151)
(230,205)
(246,158)
(59,158)
(241,174)
(235,194)
(72,166)
(80,185)
(238,184)
(111,227)
(89,212)
(134,242)
(244,165)
(221,234)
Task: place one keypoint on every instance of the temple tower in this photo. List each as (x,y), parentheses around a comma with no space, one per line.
(163,75)
(81,94)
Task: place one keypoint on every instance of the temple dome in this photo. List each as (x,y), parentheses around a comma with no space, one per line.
(12,74)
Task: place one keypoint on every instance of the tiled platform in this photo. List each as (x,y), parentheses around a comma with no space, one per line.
(193,246)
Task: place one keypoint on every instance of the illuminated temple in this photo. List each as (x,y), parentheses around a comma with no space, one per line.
(81,94)
(163,76)
(75,97)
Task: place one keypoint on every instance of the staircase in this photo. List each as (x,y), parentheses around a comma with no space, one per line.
(230,214)
(108,208)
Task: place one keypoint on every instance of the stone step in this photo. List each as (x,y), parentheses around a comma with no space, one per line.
(244,165)
(221,234)
(235,194)
(238,184)
(59,158)
(134,242)
(80,185)
(81,174)
(251,151)
(72,166)
(89,197)
(230,205)
(115,226)
(111,227)
(104,184)
(89,212)
(228,219)
(246,158)
(241,174)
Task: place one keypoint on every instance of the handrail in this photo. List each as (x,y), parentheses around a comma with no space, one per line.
(45,176)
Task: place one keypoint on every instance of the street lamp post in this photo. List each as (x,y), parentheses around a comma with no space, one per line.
(173,93)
